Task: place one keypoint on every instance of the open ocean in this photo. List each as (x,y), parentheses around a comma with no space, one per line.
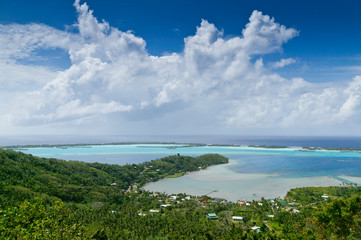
(251,174)
(350,142)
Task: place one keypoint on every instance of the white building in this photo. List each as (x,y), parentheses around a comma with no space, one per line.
(165,205)
(237,218)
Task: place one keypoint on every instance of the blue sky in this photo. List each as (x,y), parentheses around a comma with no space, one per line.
(300,78)
(330,32)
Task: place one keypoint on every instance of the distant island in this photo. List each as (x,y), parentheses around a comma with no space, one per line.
(100,144)
(176,145)
(55,199)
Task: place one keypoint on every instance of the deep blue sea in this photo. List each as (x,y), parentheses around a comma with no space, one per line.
(350,142)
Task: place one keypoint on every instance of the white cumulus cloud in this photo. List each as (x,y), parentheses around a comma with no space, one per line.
(215,83)
(283,62)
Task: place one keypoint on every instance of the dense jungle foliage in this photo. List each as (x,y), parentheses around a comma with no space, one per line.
(55,199)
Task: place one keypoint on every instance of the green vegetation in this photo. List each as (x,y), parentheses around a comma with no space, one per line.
(176,175)
(81,182)
(308,195)
(55,199)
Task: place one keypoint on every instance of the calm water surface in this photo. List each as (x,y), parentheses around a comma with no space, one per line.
(253,172)
(286,162)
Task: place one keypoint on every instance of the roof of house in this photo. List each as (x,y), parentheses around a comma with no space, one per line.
(212,216)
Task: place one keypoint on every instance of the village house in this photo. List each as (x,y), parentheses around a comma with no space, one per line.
(237,218)
(212,216)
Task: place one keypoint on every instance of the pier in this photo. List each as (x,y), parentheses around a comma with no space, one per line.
(211,192)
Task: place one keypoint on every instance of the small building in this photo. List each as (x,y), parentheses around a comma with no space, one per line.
(324,196)
(212,216)
(260,204)
(173,197)
(229,202)
(154,211)
(215,201)
(187,198)
(113,184)
(241,203)
(271,216)
(165,205)
(237,218)
(296,211)
(255,228)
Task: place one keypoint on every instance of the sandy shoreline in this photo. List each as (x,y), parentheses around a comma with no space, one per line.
(356,180)
(230,185)
(223,179)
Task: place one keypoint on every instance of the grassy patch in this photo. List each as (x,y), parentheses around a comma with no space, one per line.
(176,175)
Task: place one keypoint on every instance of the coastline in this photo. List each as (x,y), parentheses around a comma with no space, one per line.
(178,145)
(221,182)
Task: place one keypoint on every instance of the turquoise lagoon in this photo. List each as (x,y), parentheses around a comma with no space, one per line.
(251,174)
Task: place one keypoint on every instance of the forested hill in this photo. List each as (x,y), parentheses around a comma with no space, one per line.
(24,175)
(56,199)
